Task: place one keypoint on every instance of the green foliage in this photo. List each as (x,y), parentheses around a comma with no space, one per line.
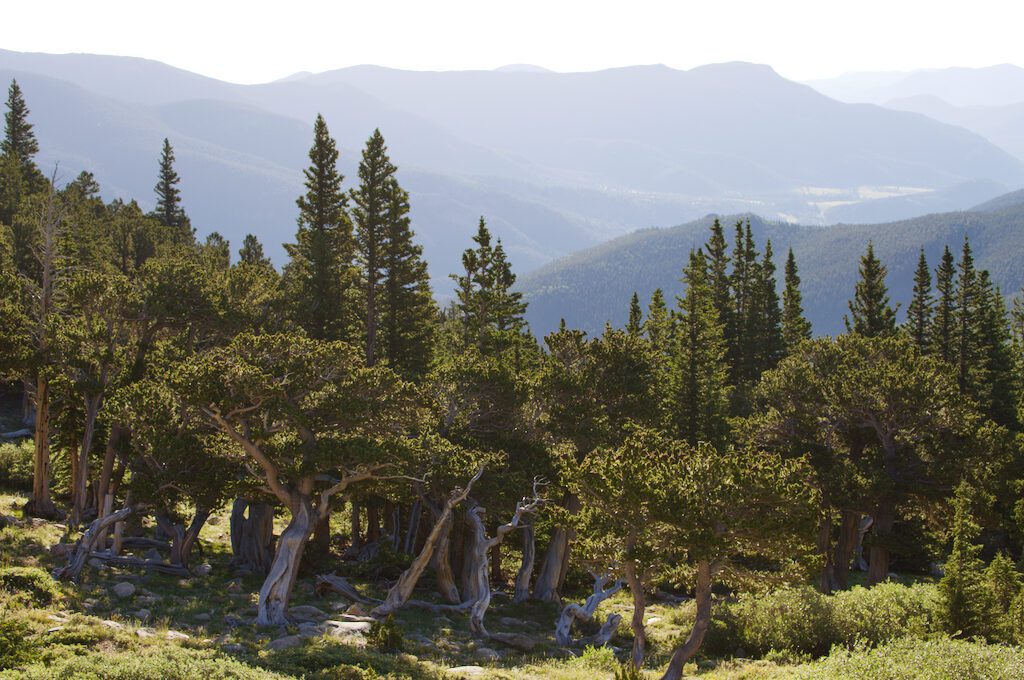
(16,464)
(870,312)
(795,327)
(628,671)
(17,645)
(965,601)
(168,207)
(386,635)
(797,620)
(29,585)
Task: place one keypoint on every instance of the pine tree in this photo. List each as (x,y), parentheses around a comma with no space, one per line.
(168,205)
(636,316)
(967,298)
(697,406)
(944,319)
(320,274)
(919,313)
(744,280)
(962,589)
(992,379)
(658,326)
(251,252)
(19,139)
(371,202)
(768,346)
(719,279)
(409,311)
(870,313)
(795,327)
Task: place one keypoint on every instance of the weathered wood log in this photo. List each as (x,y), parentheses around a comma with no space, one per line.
(332,583)
(607,631)
(402,590)
(441,562)
(575,612)
(160,567)
(87,545)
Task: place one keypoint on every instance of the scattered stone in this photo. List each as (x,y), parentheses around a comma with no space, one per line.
(233,621)
(234,587)
(516,640)
(337,606)
(203,617)
(176,635)
(143,615)
(357,610)
(203,570)
(342,628)
(61,549)
(145,632)
(124,589)
(652,620)
(420,639)
(509,621)
(112,624)
(59,618)
(54,629)
(467,671)
(487,654)
(287,642)
(97,563)
(233,648)
(154,556)
(310,629)
(306,612)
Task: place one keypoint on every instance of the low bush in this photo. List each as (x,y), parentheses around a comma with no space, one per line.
(17,646)
(30,585)
(386,635)
(796,620)
(16,464)
(910,659)
(885,612)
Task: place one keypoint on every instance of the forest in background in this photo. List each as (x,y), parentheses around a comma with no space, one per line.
(709,447)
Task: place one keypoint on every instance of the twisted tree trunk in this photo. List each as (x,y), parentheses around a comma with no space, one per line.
(636,623)
(252,535)
(549,581)
(87,544)
(700,624)
(80,463)
(40,504)
(442,564)
(277,588)
(522,588)
(575,612)
(844,549)
(878,556)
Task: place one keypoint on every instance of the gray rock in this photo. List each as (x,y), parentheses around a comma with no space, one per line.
(509,621)
(143,615)
(154,556)
(343,628)
(233,621)
(176,635)
(97,563)
(287,642)
(306,612)
(145,633)
(60,549)
(466,671)
(487,654)
(234,587)
(202,618)
(112,624)
(124,589)
(233,648)
(203,570)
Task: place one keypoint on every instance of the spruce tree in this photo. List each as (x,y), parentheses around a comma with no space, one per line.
(870,313)
(992,380)
(965,329)
(719,279)
(636,316)
(944,319)
(795,327)
(697,404)
(745,318)
(251,251)
(919,313)
(768,346)
(320,274)
(168,205)
(409,312)
(19,139)
(658,326)
(371,203)
(964,600)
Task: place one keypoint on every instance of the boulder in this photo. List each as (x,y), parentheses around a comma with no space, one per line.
(487,654)
(143,615)
(466,671)
(153,555)
(203,617)
(202,570)
(176,635)
(145,633)
(233,648)
(306,612)
(124,589)
(286,642)
(343,628)
(112,624)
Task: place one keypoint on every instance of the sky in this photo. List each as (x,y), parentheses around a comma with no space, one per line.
(258,41)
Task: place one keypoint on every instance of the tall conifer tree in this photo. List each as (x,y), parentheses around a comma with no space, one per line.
(634,325)
(944,320)
(19,139)
(795,327)
(719,280)
(919,313)
(320,274)
(967,298)
(251,251)
(658,326)
(168,205)
(768,346)
(870,312)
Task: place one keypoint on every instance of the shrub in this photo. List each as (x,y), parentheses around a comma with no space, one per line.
(797,620)
(886,612)
(628,671)
(16,464)
(386,635)
(31,585)
(16,643)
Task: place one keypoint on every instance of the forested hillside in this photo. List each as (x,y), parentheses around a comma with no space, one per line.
(592,287)
(217,467)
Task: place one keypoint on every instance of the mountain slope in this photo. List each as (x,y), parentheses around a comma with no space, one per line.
(989,86)
(1001,125)
(594,286)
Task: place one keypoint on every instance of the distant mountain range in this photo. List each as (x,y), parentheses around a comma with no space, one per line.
(556,161)
(592,287)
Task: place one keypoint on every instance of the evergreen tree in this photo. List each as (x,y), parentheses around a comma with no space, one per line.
(319,275)
(697,404)
(659,326)
(19,139)
(967,298)
(719,280)
(371,203)
(992,379)
(251,251)
(768,346)
(745,281)
(795,327)
(636,316)
(944,320)
(13,188)
(962,588)
(409,311)
(870,313)
(168,205)
(919,313)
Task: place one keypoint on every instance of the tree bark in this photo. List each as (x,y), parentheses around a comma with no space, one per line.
(843,553)
(701,622)
(87,544)
(80,468)
(320,546)
(522,588)
(357,526)
(402,590)
(878,557)
(40,504)
(252,536)
(826,579)
(636,622)
(277,588)
(574,612)
(442,564)
(556,559)
(372,523)
(182,539)
(412,532)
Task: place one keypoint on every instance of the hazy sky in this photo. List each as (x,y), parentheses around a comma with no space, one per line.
(257,41)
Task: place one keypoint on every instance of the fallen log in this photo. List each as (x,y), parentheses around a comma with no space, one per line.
(326,583)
